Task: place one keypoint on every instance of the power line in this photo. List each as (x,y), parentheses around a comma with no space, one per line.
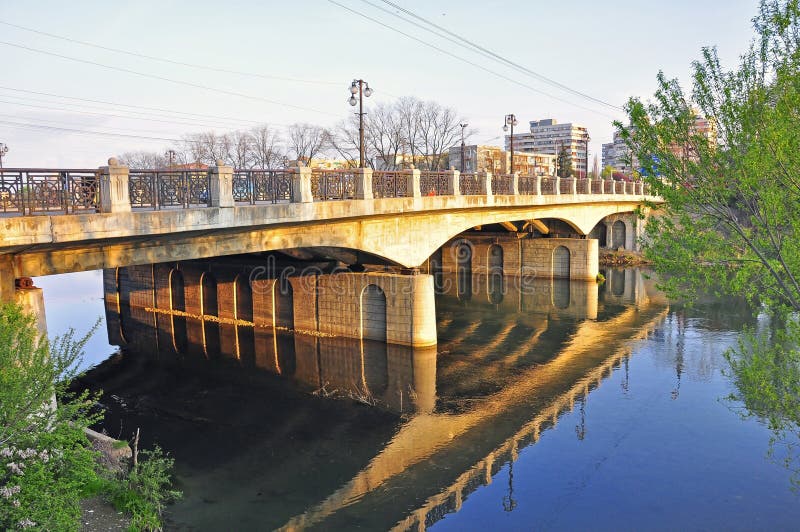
(147,118)
(169,61)
(486,52)
(78,123)
(162,78)
(105,102)
(476,65)
(81,131)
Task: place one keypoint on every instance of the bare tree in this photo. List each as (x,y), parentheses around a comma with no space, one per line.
(438,130)
(143,159)
(307,141)
(266,148)
(343,139)
(385,135)
(240,146)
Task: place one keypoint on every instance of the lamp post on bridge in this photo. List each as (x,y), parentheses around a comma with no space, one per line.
(3,151)
(511,120)
(463,147)
(360,87)
(170,155)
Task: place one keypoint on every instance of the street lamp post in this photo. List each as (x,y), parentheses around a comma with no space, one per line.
(511,120)
(586,172)
(3,151)
(360,87)
(463,147)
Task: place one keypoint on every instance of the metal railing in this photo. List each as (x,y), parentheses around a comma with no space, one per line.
(262,186)
(434,183)
(163,189)
(329,185)
(389,184)
(548,185)
(503,184)
(470,184)
(31,191)
(526,185)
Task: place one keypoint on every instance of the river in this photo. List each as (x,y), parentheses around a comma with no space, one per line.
(566,409)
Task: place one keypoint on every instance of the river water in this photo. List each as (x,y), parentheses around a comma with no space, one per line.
(545,406)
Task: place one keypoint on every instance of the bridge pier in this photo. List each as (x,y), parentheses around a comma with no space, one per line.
(567,258)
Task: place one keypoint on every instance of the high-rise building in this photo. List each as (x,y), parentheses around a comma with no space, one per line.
(548,136)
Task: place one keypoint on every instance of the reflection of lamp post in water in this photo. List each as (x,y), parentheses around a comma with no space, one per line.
(580,430)
(509,503)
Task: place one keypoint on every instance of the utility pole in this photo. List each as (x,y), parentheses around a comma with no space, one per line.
(511,120)
(3,151)
(463,147)
(358,87)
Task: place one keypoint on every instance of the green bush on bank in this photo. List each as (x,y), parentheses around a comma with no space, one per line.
(47,464)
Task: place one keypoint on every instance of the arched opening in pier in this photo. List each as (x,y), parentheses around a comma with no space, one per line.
(618,235)
(373,313)
(283,301)
(177,303)
(209,308)
(600,233)
(123,302)
(561,262)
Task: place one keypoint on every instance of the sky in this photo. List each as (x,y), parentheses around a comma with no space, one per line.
(285,62)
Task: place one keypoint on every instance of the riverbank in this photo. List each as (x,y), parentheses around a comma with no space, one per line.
(622,258)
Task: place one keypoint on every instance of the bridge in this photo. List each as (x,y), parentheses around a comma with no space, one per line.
(64,220)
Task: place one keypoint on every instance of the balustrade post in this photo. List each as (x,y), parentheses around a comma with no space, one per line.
(557,185)
(487,184)
(301,185)
(363,183)
(538,190)
(413,183)
(220,184)
(613,186)
(588,185)
(574,187)
(515,184)
(114,192)
(453,186)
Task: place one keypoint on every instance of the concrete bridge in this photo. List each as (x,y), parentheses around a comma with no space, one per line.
(59,221)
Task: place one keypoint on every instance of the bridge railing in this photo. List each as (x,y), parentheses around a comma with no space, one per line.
(116,188)
(503,184)
(329,185)
(27,191)
(164,189)
(262,186)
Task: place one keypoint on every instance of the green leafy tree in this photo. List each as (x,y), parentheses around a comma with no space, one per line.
(564,162)
(731,219)
(608,172)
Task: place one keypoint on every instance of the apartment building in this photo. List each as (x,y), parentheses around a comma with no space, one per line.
(547,136)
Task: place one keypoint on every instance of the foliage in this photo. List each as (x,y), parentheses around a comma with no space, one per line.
(564,163)
(732,190)
(731,219)
(145,490)
(47,464)
(766,370)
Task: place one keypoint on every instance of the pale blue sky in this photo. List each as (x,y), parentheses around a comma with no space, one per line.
(610,50)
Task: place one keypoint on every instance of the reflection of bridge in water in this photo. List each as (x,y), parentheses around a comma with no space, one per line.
(506,369)
(478,438)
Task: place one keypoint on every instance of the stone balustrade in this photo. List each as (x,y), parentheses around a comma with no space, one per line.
(116,188)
